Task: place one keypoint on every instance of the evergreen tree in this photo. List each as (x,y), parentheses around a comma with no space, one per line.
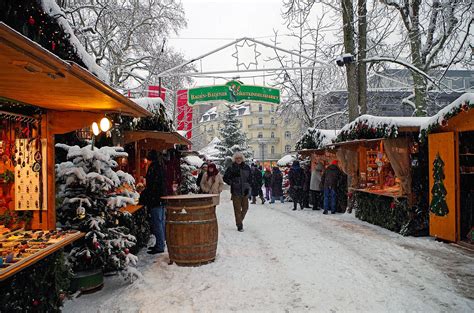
(90,194)
(438,203)
(232,138)
(188,180)
(309,140)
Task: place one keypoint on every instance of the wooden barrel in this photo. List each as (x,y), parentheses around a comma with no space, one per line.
(191,229)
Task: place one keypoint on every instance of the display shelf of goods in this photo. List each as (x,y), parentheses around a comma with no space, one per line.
(20,249)
(40,287)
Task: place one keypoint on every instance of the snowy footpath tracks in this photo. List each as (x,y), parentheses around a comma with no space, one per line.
(298,261)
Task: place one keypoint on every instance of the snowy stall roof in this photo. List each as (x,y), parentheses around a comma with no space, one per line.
(287,160)
(51,8)
(315,138)
(169,139)
(440,120)
(210,151)
(69,86)
(193,160)
(371,127)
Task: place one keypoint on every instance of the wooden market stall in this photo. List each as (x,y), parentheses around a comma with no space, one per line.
(450,137)
(40,96)
(382,157)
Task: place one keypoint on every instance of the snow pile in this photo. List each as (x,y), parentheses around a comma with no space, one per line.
(193,160)
(149,103)
(464,103)
(210,151)
(287,160)
(51,8)
(369,127)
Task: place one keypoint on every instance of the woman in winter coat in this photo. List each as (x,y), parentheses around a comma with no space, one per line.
(212,181)
(276,184)
(296,178)
(267,180)
(315,186)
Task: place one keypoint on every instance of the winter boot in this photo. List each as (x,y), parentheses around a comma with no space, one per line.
(325,212)
(263,200)
(254,200)
(294,206)
(301,206)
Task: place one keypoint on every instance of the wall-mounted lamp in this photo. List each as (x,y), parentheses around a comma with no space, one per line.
(104,126)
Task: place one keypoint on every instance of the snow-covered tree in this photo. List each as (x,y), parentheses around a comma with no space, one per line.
(90,194)
(232,138)
(188,179)
(128,38)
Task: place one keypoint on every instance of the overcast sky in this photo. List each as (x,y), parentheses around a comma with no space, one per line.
(228,20)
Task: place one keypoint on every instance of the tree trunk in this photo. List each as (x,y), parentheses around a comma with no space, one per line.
(351,69)
(362,52)
(419,82)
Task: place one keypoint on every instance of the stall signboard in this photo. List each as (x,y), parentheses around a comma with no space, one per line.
(233,92)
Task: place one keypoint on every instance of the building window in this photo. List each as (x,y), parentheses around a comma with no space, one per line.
(260,108)
(273,149)
(273,135)
(272,121)
(260,135)
(260,121)
(288,134)
(287,148)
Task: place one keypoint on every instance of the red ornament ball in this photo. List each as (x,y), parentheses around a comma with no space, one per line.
(126,251)
(96,245)
(36,302)
(62,296)
(465,107)
(392,205)
(444,123)
(31,21)
(350,195)
(53,46)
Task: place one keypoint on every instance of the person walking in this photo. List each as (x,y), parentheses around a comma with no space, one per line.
(199,178)
(237,176)
(256,182)
(277,185)
(296,178)
(154,190)
(306,185)
(329,181)
(267,180)
(315,186)
(212,181)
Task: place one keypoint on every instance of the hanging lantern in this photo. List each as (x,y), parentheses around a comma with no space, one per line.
(84,134)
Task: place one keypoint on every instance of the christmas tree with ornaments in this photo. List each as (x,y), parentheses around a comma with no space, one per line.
(90,195)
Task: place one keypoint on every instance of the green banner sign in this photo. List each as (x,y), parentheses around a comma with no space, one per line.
(233,91)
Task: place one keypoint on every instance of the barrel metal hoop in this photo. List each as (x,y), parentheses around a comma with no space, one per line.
(193,246)
(192,222)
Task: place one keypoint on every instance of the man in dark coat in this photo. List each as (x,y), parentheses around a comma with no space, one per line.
(296,178)
(256,182)
(267,181)
(237,176)
(330,180)
(276,184)
(154,190)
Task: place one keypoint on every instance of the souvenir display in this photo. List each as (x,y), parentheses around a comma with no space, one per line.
(19,247)
(27,184)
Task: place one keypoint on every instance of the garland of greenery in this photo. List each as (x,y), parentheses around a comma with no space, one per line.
(38,288)
(361,130)
(455,110)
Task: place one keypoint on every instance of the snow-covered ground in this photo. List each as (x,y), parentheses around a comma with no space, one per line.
(291,261)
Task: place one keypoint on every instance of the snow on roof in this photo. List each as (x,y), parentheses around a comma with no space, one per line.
(51,8)
(371,127)
(193,160)
(447,112)
(210,151)
(327,135)
(182,132)
(375,121)
(287,160)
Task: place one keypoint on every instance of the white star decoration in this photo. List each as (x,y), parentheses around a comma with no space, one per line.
(246,54)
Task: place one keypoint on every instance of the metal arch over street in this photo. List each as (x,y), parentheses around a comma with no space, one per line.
(168,72)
